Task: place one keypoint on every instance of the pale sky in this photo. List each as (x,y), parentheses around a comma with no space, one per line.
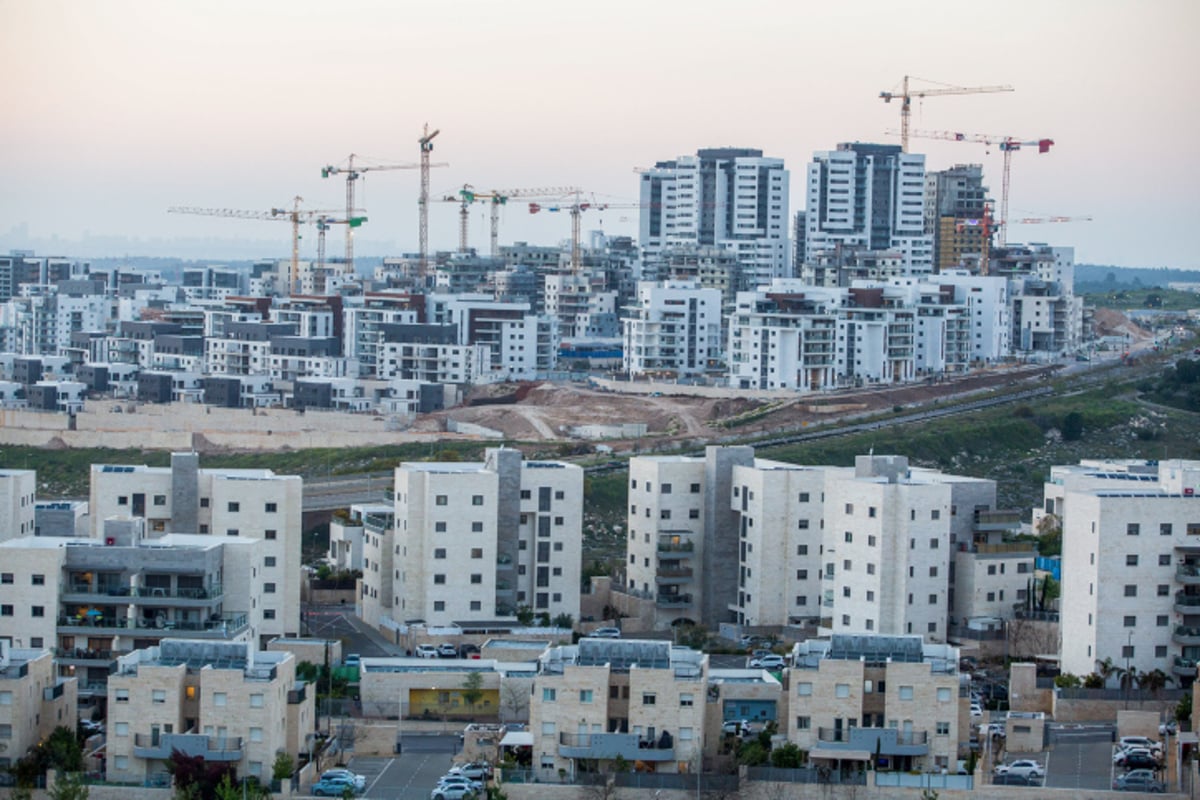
(115,110)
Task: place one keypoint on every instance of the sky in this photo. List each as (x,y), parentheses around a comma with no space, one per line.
(116,110)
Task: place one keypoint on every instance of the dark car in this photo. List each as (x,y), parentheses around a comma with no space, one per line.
(1141,780)
(1136,761)
(1005,779)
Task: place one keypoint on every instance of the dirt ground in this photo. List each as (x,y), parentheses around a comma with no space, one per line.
(549,410)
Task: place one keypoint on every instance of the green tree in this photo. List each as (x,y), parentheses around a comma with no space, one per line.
(787,757)
(1183,710)
(1067,681)
(283,767)
(564,621)
(62,750)
(525,615)
(472,691)
(228,789)
(752,754)
(68,786)
(1072,427)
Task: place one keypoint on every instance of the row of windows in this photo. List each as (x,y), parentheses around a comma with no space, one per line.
(36,579)
(664,488)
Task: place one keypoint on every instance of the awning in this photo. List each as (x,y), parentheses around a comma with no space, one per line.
(517,739)
(839,755)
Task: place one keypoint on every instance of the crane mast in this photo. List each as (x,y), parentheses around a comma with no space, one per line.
(905,96)
(426,144)
(496,198)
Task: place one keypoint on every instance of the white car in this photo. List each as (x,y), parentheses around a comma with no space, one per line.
(1121,756)
(976,710)
(736,727)
(426,651)
(453,779)
(452,793)
(771,661)
(606,633)
(992,729)
(1139,741)
(1025,767)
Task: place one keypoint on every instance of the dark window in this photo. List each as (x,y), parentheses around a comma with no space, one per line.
(234,507)
(543,498)
(38,580)
(476,578)
(439,579)
(271,508)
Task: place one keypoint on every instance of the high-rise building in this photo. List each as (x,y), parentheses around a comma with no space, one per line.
(732,198)
(957,216)
(674,329)
(868,197)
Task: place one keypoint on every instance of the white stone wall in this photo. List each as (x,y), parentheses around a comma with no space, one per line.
(18,491)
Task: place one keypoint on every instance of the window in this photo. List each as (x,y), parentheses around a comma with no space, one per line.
(121,729)
(801,599)
(5,698)
(991,569)
(801,549)
(269,588)
(943,729)
(1133,529)
(841,690)
(1131,590)
(1127,651)
(1164,560)
(269,534)
(585,695)
(476,605)
(256,734)
(234,506)
(933,572)
(648,698)
(476,552)
(803,723)
(906,693)
(204,502)
(476,499)
(256,700)
(1160,651)
(440,500)
(549,695)
(231,531)
(6,610)
(870,569)
(123,500)
(439,579)
(935,514)
(1130,621)
(548,730)
(871,541)
(439,552)
(122,695)
(158,696)
(37,611)
(931,627)
(1131,560)
(804,689)
(527,495)
(845,620)
(270,508)
(1163,590)
(933,544)
(848,536)
(160,499)
(933,599)
(686,700)
(695,488)
(943,695)
(559,494)
(439,605)
(219,699)
(664,514)
(664,488)
(476,577)
(849,508)
(6,577)
(268,613)
(439,527)
(871,512)
(1164,529)
(38,580)
(693,513)
(269,561)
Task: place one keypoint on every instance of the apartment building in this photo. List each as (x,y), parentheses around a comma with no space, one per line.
(674,330)
(1046,316)
(993,578)
(34,700)
(225,701)
(957,215)
(518,542)
(522,344)
(732,198)
(868,196)
(255,504)
(1131,564)
(894,699)
(18,491)
(603,699)
(94,599)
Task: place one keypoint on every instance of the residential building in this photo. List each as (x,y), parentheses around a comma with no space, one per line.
(675,330)
(604,699)
(251,503)
(868,196)
(895,699)
(1047,316)
(958,217)
(18,491)
(751,695)
(34,700)
(516,544)
(732,198)
(1131,569)
(415,688)
(522,344)
(227,702)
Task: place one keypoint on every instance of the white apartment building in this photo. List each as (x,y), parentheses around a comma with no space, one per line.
(518,542)
(582,306)
(18,491)
(183,498)
(33,700)
(522,344)
(675,329)
(868,196)
(435,362)
(731,198)
(603,699)
(1131,564)
(227,702)
(987,302)
(1046,316)
(361,323)
(857,697)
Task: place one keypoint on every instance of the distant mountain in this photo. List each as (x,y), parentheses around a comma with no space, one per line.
(1096,276)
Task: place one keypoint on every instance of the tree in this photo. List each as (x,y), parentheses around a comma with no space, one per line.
(1067,681)
(1155,680)
(283,767)
(1106,669)
(564,621)
(472,691)
(1183,710)
(194,771)
(1072,427)
(525,615)
(68,786)
(62,751)
(514,700)
(789,756)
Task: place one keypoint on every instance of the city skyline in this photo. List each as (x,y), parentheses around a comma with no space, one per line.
(118,111)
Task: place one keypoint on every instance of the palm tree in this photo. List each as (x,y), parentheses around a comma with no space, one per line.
(1155,680)
(1106,669)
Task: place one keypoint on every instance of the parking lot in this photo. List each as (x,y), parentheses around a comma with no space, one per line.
(410,775)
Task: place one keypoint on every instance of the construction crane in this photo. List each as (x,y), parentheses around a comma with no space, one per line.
(905,96)
(497,198)
(1040,220)
(295,216)
(324,224)
(426,144)
(576,209)
(352,174)
(1008,145)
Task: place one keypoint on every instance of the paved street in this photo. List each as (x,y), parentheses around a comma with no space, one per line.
(411,774)
(339,622)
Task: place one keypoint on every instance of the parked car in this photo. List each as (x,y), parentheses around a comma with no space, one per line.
(1022,766)
(769,662)
(475,770)
(359,781)
(1138,761)
(992,729)
(426,651)
(606,633)
(736,727)
(1121,756)
(1139,780)
(1170,727)
(1139,741)
(976,710)
(1004,779)
(333,787)
(468,650)
(453,779)
(447,650)
(452,793)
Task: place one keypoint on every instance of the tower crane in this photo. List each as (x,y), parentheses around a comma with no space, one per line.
(905,96)
(1008,145)
(352,174)
(295,216)
(576,209)
(323,224)
(497,198)
(426,144)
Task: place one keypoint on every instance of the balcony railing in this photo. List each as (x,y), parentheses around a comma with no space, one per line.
(1186,635)
(673,600)
(671,573)
(1188,574)
(676,547)
(211,748)
(608,746)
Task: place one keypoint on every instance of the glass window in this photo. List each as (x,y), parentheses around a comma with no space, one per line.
(906,693)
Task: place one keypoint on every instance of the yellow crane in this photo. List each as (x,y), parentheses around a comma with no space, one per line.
(1008,145)
(295,215)
(906,94)
(353,173)
(497,198)
(426,144)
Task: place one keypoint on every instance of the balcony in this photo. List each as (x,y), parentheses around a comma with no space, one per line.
(1185,635)
(1183,667)
(1188,604)
(140,595)
(885,741)
(608,746)
(297,695)
(225,627)
(676,547)
(211,748)
(673,574)
(1188,574)
(82,657)
(673,600)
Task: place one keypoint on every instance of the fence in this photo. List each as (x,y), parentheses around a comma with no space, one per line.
(821,775)
(630,780)
(1132,695)
(924,780)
